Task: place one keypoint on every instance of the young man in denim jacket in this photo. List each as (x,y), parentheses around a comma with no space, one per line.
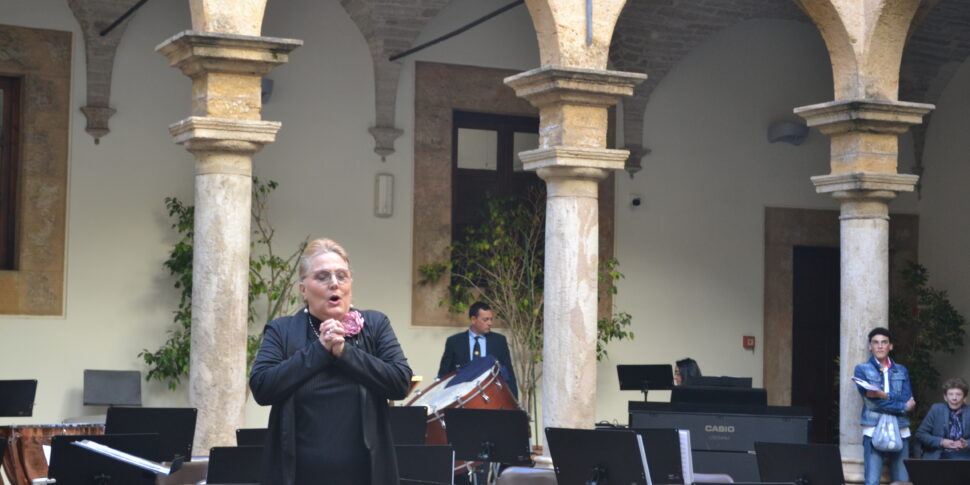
(894,397)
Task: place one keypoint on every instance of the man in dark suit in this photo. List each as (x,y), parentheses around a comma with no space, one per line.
(478,341)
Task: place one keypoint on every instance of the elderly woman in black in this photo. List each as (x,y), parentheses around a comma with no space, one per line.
(328,372)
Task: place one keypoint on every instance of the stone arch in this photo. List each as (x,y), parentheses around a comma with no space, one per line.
(652,37)
(568,38)
(243,17)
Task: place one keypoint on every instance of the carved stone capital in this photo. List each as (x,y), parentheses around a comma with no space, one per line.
(864,185)
(564,156)
(97,117)
(864,115)
(634,161)
(203,134)
(197,53)
(384,137)
(559,84)
(573,102)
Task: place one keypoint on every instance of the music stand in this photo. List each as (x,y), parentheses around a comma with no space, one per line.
(409,424)
(175,427)
(235,465)
(938,472)
(661,446)
(489,435)
(597,457)
(251,436)
(112,387)
(425,464)
(802,464)
(73,465)
(645,378)
(17,397)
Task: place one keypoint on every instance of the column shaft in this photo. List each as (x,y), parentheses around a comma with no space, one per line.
(864,248)
(569,357)
(220,289)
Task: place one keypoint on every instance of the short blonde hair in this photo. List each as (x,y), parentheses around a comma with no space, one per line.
(317,247)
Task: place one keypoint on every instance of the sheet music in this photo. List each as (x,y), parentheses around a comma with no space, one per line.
(865,385)
(685,456)
(121,456)
(643,456)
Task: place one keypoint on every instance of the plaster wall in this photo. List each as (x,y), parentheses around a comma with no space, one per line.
(944,219)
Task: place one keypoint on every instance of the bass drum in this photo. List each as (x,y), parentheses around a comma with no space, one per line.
(478,385)
(23,458)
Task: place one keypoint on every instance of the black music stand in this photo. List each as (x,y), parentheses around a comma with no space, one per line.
(425,464)
(799,463)
(235,465)
(251,436)
(17,397)
(175,427)
(409,424)
(491,436)
(112,387)
(645,378)
(597,457)
(938,472)
(73,465)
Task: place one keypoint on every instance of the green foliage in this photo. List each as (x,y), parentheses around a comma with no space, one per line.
(616,327)
(501,261)
(924,325)
(271,286)
(171,361)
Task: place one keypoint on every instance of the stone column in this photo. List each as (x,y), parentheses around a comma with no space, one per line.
(572,159)
(864,179)
(223,134)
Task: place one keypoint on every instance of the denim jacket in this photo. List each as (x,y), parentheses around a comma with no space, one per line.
(899,392)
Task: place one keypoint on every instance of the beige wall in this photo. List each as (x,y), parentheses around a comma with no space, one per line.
(692,252)
(944,215)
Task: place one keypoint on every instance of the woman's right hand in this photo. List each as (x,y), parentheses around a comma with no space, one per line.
(332,336)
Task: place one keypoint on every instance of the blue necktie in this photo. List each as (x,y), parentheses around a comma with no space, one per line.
(477,350)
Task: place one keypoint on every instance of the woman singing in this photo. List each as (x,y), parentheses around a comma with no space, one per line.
(328,372)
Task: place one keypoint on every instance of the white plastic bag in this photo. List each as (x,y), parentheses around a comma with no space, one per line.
(886,436)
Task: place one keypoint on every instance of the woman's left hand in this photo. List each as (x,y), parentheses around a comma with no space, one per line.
(332,336)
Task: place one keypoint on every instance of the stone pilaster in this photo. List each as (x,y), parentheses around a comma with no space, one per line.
(572,159)
(223,134)
(864,180)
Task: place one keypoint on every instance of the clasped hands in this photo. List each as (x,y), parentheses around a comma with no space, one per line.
(332,336)
(960,444)
(910,405)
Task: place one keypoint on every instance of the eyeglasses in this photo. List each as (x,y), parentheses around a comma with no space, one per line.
(879,343)
(340,276)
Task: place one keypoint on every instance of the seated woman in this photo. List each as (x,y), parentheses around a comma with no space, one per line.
(944,431)
(685,370)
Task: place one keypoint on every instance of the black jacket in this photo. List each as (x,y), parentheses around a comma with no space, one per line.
(456,355)
(285,360)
